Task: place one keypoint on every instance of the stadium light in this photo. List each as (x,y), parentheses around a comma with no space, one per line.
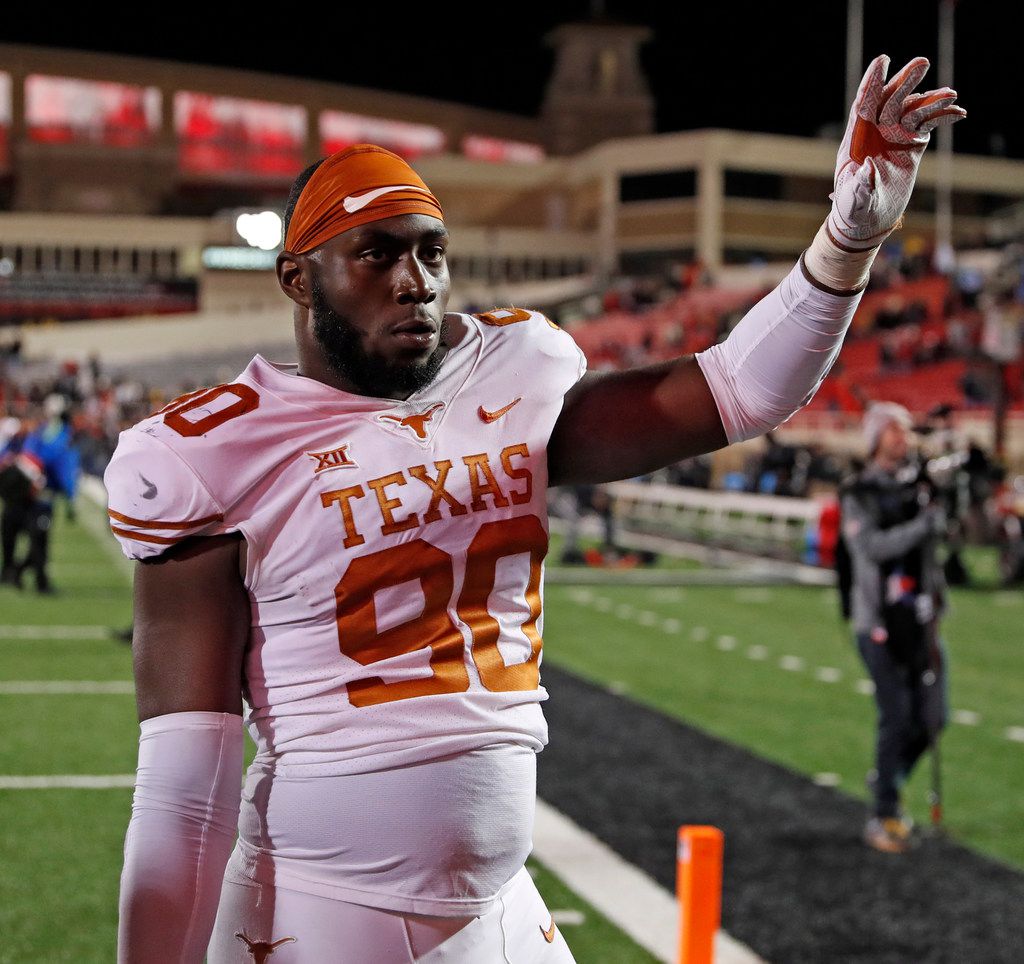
(261,230)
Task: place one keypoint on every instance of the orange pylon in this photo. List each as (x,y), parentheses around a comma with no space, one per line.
(699,889)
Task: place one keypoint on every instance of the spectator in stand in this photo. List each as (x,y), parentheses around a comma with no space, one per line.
(773,474)
(841,393)
(947,452)
(693,275)
(917,258)
(694,473)
(1002,338)
(978,386)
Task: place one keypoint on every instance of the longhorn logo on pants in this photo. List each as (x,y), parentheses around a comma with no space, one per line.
(261,950)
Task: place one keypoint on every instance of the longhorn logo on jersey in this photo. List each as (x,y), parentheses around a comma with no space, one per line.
(332,459)
(415,423)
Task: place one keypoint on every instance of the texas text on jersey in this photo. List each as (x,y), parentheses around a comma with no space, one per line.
(394,567)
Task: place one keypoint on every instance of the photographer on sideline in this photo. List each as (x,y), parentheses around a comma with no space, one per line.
(892,523)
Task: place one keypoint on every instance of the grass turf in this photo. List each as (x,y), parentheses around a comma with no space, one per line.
(594,938)
(63,858)
(704,673)
(62,847)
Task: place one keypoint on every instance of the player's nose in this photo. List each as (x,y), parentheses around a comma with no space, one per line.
(413,282)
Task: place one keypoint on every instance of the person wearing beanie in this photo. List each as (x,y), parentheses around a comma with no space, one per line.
(351,550)
(877,419)
(892,526)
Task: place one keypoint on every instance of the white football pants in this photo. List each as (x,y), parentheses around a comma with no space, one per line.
(262,923)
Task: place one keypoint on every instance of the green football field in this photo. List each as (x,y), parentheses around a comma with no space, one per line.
(773,670)
(62,847)
(768,668)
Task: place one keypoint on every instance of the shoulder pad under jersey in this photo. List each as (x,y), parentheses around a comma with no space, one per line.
(161,481)
(532,330)
(154,499)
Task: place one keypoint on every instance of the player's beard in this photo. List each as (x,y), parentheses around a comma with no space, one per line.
(369,374)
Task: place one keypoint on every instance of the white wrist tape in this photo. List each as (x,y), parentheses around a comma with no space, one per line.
(184,819)
(772,363)
(835,267)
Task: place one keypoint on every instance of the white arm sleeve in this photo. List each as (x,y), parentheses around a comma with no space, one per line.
(773,361)
(184,818)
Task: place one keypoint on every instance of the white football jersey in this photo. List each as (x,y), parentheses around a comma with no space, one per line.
(395,548)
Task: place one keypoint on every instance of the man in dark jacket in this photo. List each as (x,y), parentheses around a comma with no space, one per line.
(892,526)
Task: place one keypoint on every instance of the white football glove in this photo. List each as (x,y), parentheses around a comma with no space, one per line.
(886,136)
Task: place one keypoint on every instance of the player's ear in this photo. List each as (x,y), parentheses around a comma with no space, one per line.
(294,275)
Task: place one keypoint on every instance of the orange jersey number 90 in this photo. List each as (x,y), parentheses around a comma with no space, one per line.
(433,568)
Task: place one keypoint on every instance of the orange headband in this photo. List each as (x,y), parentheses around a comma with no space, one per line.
(360,184)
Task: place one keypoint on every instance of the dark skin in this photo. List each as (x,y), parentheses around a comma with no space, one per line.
(380,276)
(389,279)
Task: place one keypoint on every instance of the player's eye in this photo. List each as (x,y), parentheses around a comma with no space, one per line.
(434,253)
(375,255)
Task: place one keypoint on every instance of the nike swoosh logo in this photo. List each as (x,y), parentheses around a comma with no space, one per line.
(549,934)
(356,202)
(149,492)
(493,416)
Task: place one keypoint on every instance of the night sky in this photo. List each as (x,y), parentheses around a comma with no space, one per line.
(771,66)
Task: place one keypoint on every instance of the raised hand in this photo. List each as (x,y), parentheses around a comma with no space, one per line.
(888,131)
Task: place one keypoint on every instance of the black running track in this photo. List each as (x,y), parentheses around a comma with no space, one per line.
(799,884)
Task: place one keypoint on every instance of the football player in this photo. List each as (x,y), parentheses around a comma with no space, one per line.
(353,546)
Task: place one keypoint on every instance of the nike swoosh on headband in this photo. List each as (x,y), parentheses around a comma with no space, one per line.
(357,202)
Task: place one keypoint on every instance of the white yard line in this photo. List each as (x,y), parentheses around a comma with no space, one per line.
(793,664)
(82,571)
(32,687)
(670,594)
(753,594)
(582,596)
(54,632)
(630,899)
(68,781)
(568,918)
(1007,599)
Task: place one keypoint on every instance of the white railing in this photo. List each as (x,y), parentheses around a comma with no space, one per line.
(773,525)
